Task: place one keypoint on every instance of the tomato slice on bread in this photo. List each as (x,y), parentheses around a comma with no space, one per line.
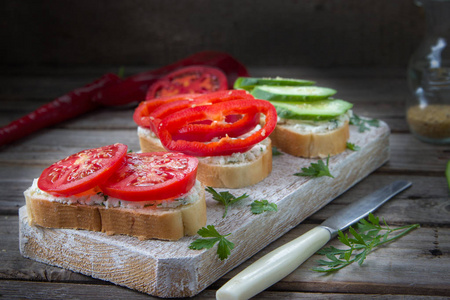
(192,79)
(152,176)
(82,171)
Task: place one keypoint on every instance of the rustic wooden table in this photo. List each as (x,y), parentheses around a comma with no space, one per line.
(416,266)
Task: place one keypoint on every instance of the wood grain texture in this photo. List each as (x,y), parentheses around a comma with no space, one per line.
(170,269)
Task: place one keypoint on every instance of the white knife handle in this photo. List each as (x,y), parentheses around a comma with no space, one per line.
(274,266)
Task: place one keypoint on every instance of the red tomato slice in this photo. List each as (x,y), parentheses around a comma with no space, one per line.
(192,79)
(82,171)
(142,113)
(152,176)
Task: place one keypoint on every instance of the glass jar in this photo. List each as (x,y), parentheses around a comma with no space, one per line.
(428,110)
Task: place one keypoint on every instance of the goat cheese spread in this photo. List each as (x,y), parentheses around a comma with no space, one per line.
(96,197)
(235,158)
(306,126)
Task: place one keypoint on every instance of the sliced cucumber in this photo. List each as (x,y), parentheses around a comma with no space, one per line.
(292,93)
(248,83)
(317,110)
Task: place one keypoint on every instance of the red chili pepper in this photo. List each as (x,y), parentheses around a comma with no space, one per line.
(166,109)
(189,80)
(110,90)
(172,124)
(134,88)
(63,108)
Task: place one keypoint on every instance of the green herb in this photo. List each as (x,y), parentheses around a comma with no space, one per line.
(226,198)
(100,194)
(121,72)
(258,207)
(367,235)
(353,147)
(447,173)
(276,152)
(361,123)
(224,248)
(318,169)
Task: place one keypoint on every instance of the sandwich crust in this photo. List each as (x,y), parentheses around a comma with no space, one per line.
(143,223)
(311,145)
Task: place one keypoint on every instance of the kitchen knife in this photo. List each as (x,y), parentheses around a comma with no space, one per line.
(279,263)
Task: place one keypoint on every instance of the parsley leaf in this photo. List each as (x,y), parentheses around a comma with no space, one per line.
(366,235)
(361,123)
(258,207)
(318,169)
(276,152)
(353,147)
(226,198)
(224,247)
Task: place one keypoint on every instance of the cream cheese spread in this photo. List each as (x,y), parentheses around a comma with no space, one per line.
(306,126)
(254,153)
(96,197)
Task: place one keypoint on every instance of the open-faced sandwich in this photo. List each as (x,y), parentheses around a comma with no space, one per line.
(226,130)
(310,123)
(146,195)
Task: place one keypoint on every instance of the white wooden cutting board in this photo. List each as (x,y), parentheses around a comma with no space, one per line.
(171,269)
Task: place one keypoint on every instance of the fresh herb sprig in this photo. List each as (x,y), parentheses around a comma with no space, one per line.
(318,169)
(226,198)
(362,122)
(212,237)
(353,147)
(366,235)
(276,152)
(258,207)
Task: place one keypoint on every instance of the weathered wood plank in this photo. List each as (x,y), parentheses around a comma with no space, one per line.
(380,269)
(16,267)
(171,270)
(407,266)
(39,290)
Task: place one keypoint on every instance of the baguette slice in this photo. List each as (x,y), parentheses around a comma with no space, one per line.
(234,171)
(311,144)
(145,222)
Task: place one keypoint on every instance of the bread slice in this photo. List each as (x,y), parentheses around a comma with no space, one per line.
(299,142)
(144,220)
(232,171)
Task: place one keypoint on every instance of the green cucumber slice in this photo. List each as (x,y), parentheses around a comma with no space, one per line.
(248,83)
(292,93)
(316,111)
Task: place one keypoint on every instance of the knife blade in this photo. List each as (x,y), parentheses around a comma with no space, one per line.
(280,262)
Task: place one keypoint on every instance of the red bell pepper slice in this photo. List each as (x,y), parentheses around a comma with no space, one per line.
(168,108)
(189,80)
(227,145)
(142,113)
(233,126)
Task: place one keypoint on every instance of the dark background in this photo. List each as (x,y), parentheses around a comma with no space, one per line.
(316,33)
